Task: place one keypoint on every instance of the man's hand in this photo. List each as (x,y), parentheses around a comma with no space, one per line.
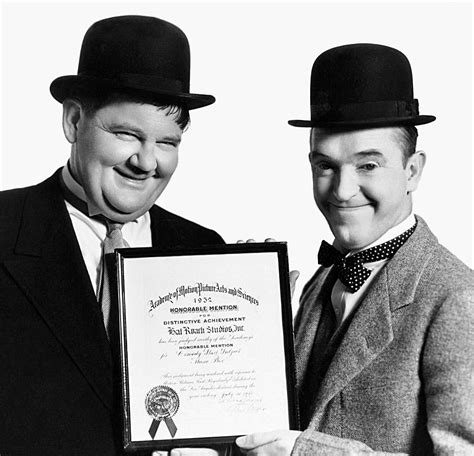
(189,452)
(293,278)
(293,274)
(274,443)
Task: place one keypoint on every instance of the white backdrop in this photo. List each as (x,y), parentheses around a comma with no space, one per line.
(243,170)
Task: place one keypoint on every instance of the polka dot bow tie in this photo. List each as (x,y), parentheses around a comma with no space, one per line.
(351,270)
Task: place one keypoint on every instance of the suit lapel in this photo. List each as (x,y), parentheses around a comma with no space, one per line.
(368,334)
(316,294)
(370,330)
(164,233)
(160,233)
(51,272)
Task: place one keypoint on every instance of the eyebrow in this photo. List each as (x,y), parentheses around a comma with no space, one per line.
(127,126)
(315,153)
(370,153)
(139,131)
(363,153)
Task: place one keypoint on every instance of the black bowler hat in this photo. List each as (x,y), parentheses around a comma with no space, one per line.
(139,53)
(362,86)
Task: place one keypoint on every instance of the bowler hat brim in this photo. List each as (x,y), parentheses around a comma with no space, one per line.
(64,86)
(367,123)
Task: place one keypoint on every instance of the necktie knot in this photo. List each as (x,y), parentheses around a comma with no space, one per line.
(114,239)
(351,270)
(329,255)
(113,226)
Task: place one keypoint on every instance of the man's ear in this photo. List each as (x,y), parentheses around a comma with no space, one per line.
(414,169)
(72,112)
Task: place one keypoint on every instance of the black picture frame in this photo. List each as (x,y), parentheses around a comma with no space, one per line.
(279,249)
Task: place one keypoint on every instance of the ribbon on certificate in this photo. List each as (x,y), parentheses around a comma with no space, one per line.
(162,403)
(156,423)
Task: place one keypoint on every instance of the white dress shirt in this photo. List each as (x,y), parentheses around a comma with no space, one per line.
(343,301)
(91,232)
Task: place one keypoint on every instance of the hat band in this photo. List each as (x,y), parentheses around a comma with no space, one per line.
(140,81)
(364,111)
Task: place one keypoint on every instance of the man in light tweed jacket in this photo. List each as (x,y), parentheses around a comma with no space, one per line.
(384,333)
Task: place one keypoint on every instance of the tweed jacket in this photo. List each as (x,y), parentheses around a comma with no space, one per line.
(402,379)
(57,385)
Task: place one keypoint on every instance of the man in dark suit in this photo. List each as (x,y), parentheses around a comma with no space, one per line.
(384,332)
(124,115)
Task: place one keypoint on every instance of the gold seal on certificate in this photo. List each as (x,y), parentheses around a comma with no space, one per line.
(162,403)
(206,344)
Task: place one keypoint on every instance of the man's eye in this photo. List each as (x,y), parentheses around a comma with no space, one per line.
(368,166)
(126,135)
(322,165)
(167,144)
(322,168)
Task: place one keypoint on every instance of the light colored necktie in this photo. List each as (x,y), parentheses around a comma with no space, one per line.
(112,241)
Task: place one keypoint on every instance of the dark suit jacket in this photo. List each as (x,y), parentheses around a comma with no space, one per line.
(401,381)
(56,380)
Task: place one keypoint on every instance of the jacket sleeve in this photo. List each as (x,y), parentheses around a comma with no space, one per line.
(313,442)
(448,374)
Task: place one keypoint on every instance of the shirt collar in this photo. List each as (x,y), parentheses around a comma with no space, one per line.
(74,186)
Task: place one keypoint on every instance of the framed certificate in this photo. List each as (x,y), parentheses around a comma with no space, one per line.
(206,344)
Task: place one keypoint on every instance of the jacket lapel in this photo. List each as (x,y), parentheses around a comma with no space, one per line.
(49,268)
(163,234)
(371,331)
(367,335)
(165,230)
(314,296)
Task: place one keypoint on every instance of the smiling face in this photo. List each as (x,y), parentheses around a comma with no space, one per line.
(360,183)
(123,155)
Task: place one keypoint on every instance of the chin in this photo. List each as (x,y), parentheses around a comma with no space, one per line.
(119,215)
(351,241)
(126,206)
(124,218)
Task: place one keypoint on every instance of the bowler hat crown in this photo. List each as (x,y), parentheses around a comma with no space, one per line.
(362,85)
(137,53)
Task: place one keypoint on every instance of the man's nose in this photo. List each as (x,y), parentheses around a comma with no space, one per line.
(144,159)
(346,185)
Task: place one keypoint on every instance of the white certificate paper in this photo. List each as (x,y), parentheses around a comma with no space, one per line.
(206,343)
